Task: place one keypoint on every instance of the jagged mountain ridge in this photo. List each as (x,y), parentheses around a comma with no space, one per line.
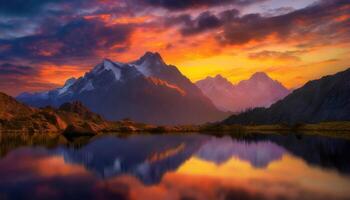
(146,90)
(258,91)
(325,99)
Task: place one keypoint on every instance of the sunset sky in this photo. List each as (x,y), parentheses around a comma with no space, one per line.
(44,42)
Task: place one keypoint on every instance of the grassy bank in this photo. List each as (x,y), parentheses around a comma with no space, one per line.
(331,129)
(128,127)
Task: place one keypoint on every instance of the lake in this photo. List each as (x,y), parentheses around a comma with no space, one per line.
(175,167)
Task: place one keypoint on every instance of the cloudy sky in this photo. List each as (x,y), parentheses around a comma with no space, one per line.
(44,42)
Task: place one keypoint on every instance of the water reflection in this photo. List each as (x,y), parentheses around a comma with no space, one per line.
(146,157)
(177,167)
(258,154)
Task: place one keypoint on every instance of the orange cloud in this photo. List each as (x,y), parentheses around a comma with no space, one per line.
(109,19)
(58,74)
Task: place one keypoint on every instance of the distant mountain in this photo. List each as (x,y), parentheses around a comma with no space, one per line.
(326,99)
(146,90)
(258,91)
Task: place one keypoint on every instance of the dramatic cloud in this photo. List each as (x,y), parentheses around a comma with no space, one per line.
(80,38)
(204,22)
(11,69)
(30,8)
(317,19)
(22,7)
(192,34)
(327,18)
(186,4)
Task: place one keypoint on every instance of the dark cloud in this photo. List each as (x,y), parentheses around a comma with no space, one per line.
(83,36)
(23,7)
(204,22)
(318,19)
(77,39)
(11,69)
(187,4)
(20,18)
(30,8)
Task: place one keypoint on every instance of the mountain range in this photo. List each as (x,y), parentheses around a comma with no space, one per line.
(325,99)
(258,91)
(150,91)
(146,90)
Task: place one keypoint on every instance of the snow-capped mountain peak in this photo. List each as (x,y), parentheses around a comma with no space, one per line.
(152,56)
(66,86)
(149,63)
(108,65)
(70,81)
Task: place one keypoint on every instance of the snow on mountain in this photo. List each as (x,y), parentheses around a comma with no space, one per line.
(258,91)
(87,87)
(108,65)
(148,63)
(66,86)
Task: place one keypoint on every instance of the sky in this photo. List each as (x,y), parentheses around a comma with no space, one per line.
(45,42)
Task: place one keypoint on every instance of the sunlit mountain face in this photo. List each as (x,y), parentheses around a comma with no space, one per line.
(176,167)
(258,91)
(44,43)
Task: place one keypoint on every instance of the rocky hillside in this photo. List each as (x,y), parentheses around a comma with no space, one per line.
(9,108)
(72,117)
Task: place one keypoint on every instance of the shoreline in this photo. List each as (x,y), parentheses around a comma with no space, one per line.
(329,129)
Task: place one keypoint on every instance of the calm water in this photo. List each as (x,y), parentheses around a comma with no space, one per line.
(176,167)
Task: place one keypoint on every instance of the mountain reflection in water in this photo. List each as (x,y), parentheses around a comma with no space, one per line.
(178,167)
